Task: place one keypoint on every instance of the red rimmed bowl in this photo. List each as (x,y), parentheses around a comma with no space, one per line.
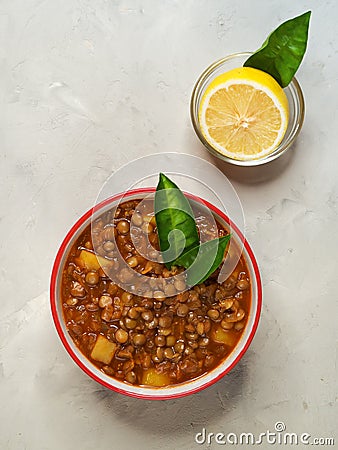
(171,391)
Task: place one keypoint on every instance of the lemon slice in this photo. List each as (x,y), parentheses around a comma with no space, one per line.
(244,114)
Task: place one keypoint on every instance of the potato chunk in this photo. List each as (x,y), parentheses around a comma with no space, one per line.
(90,261)
(103,350)
(151,378)
(227,337)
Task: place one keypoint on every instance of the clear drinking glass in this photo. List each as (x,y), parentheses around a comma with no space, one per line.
(295,99)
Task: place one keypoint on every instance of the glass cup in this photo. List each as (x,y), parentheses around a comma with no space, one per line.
(296,109)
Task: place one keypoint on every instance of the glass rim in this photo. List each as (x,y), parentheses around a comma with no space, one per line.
(282,147)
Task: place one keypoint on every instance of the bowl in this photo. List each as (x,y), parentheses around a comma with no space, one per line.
(296,109)
(171,391)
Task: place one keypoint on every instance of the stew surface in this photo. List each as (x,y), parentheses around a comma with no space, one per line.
(176,336)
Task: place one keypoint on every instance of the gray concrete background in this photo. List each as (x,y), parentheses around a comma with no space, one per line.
(87,86)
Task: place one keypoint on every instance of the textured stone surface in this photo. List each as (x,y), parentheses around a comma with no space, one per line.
(86,86)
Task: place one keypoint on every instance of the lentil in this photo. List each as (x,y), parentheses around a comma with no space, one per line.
(92,278)
(121,336)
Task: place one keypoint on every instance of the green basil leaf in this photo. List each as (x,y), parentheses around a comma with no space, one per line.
(201,261)
(175,221)
(283,51)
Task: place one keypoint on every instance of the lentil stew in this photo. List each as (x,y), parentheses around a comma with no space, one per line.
(169,336)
